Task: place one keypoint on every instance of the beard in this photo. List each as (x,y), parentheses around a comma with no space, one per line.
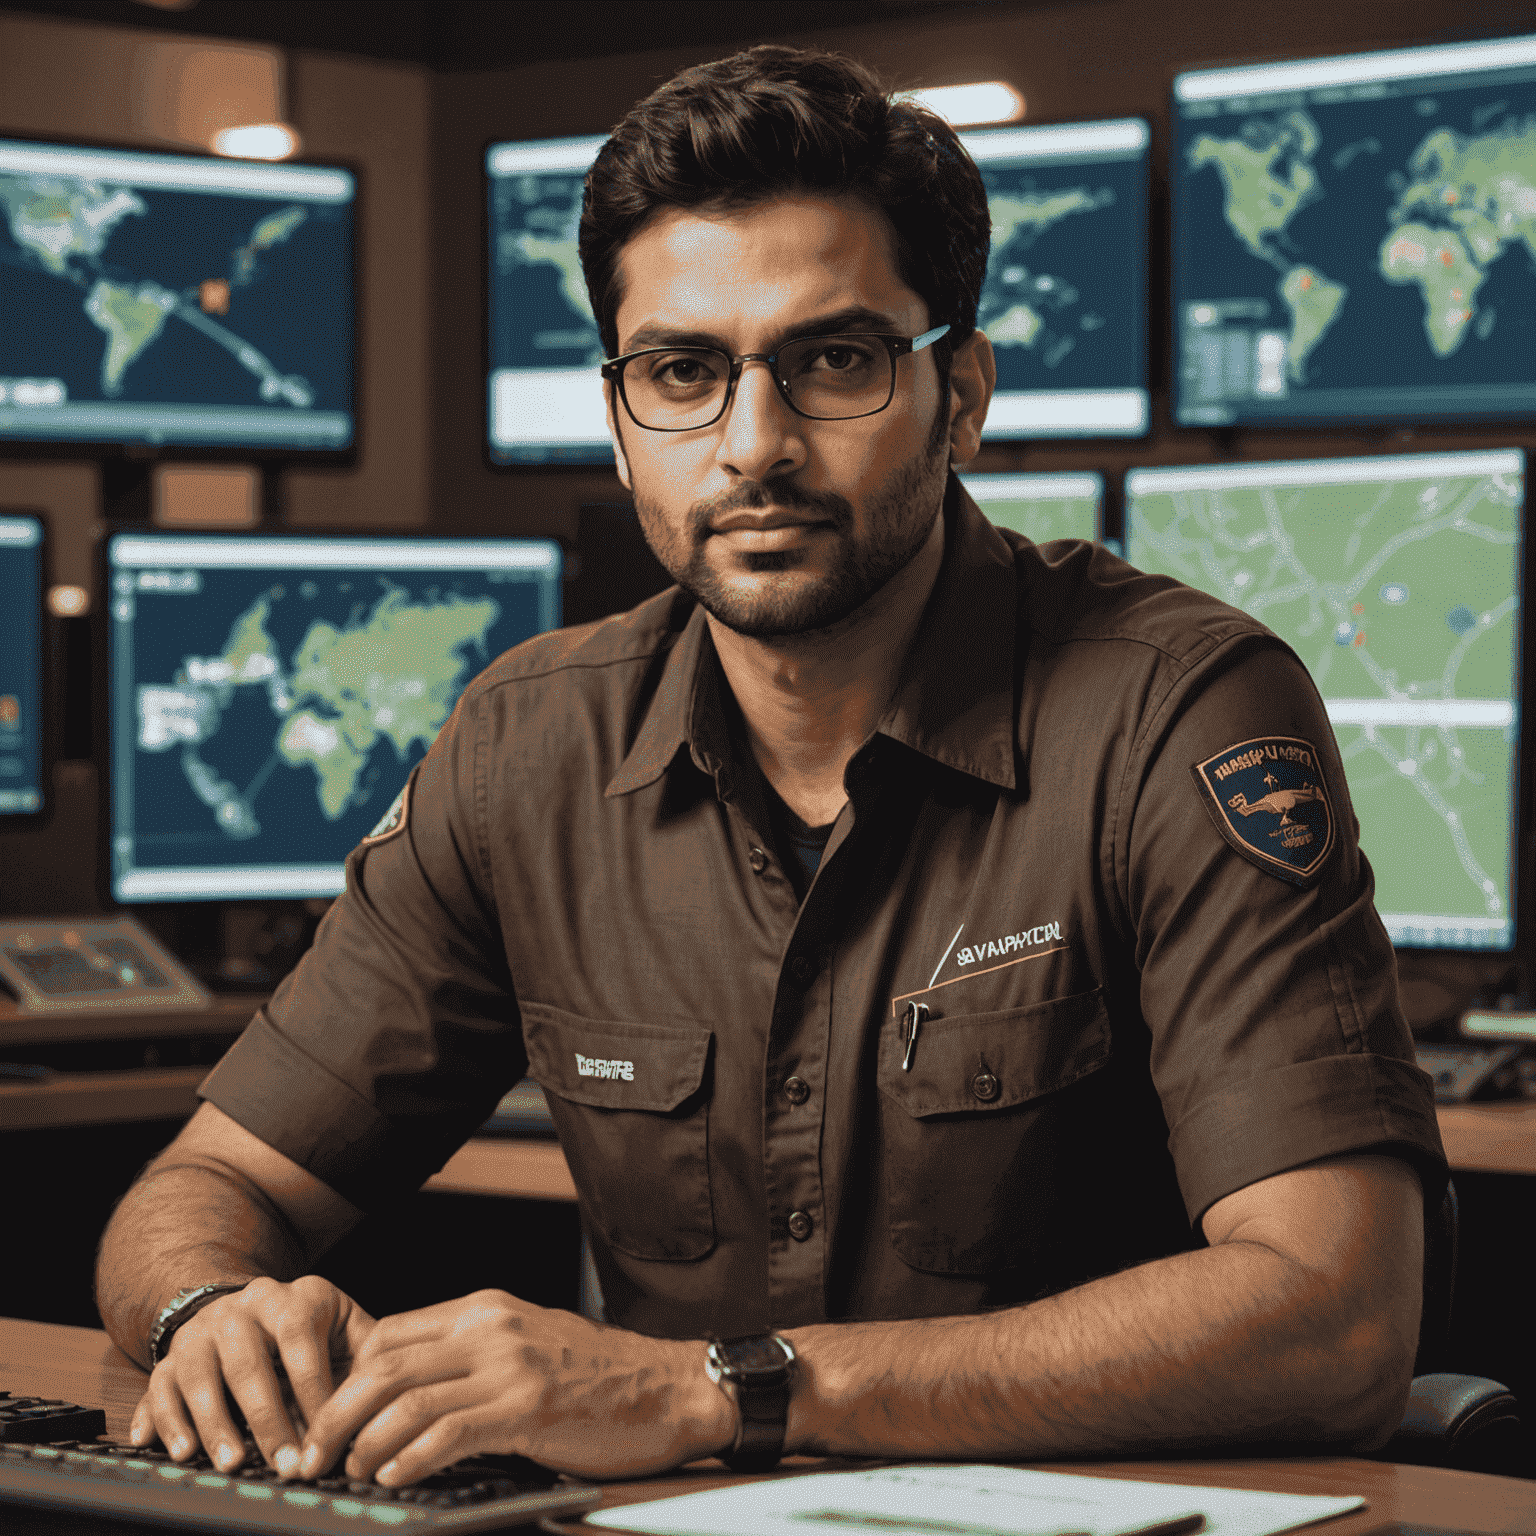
(900,516)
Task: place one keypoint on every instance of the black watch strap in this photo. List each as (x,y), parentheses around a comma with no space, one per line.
(757,1372)
(764,1416)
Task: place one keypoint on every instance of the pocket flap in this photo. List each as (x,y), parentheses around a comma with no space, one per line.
(614,1065)
(988,1061)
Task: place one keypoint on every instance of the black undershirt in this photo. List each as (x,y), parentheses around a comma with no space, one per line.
(803,842)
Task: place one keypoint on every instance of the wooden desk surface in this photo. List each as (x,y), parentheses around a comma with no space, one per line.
(82,1365)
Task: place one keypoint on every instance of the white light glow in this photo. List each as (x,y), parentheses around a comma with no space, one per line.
(68,602)
(257,141)
(967,106)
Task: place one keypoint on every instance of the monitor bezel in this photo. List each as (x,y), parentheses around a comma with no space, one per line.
(50,681)
(497,466)
(101,658)
(1522,833)
(968,478)
(1319,419)
(147,455)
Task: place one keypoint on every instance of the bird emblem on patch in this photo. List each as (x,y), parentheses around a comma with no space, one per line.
(1269,799)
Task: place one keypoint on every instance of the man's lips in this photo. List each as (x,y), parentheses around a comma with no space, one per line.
(764,522)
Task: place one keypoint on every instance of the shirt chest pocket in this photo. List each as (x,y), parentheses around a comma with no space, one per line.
(982,1138)
(630,1103)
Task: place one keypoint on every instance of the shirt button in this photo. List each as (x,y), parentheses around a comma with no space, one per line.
(802,968)
(758,860)
(797,1090)
(984,1086)
(800,1226)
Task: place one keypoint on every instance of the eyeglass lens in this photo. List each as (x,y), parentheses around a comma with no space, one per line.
(830,378)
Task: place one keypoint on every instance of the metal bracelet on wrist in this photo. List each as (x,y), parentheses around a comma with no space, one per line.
(183,1305)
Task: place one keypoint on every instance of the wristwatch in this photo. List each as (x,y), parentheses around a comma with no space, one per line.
(183,1305)
(756,1372)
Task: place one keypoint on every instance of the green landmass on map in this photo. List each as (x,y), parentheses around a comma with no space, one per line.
(1314,302)
(57,219)
(1470,200)
(394,674)
(1402,593)
(563,256)
(1266,176)
(132,318)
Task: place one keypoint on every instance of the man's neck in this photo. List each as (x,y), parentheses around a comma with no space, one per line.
(810,701)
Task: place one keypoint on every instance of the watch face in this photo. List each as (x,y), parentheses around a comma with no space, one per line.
(759,1354)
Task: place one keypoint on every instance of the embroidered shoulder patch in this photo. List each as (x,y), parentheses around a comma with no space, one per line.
(1269,799)
(394,819)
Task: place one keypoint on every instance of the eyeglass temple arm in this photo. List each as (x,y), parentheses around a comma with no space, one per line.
(928,338)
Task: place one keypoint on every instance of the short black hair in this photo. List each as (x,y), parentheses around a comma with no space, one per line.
(772,121)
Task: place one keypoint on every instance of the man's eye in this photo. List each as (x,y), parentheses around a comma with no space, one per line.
(839,358)
(680,371)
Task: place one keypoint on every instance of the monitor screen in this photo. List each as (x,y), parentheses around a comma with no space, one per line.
(1397,581)
(1041,506)
(21,665)
(267,696)
(1064,300)
(171,299)
(1353,238)
(545,396)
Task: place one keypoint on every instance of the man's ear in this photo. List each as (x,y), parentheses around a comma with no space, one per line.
(621,462)
(972,379)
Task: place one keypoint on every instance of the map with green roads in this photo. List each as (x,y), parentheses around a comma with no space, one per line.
(1397,584)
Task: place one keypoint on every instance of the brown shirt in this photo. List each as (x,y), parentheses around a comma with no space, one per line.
(1150,980)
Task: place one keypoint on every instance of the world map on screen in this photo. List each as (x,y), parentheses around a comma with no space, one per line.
(1401,595)
(118,292)
(1058,314)
(276,714)
(1387,241)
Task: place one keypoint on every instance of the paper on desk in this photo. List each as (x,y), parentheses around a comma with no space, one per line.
(965,1501)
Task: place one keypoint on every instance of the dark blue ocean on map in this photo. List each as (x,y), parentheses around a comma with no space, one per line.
(296,310)
(172,826)
(526,297)
(1102,254)
(1378,337)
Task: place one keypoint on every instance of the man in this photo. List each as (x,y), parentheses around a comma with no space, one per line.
(889,913)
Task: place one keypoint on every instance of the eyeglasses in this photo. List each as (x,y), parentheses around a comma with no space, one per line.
(825,378)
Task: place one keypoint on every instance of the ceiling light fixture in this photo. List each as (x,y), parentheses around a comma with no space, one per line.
(970,106)
(257,141)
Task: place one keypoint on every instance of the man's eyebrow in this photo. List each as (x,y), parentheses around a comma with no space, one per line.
(856,317)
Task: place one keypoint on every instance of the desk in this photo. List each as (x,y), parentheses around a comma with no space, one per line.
(83,1366)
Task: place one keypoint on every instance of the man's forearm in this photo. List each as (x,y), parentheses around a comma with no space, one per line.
(184,1224)
(1228,1343)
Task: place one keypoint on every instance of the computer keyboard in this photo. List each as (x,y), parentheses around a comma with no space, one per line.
(73,1471)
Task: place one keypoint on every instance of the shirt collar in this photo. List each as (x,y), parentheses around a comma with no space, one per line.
(953,702)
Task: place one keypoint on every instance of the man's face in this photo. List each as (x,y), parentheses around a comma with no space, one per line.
(778,524)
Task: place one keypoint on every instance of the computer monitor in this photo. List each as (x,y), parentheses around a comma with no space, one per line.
(1398,582)
(23,735)
(1064,301)
(268,695)
(544,395)
(175,301)
(1041,506)
(1353,238)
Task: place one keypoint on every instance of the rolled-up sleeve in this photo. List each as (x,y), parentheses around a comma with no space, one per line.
(1277,1037)
(398,1032)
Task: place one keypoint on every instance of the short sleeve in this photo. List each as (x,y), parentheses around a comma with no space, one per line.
(1267,979)
(396,1035)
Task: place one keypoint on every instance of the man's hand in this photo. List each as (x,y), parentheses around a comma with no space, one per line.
(488,1373)
(308,1327)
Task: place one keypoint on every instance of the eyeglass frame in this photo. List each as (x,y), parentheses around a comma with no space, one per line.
(897,347)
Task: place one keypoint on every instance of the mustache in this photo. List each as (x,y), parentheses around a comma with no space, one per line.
(759,495)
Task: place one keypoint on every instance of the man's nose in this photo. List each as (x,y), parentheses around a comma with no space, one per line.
(762,437)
